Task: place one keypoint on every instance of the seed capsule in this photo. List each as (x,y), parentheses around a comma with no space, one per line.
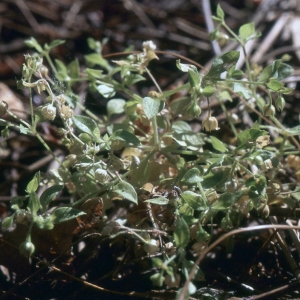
(49,112)
(269,110)
(3,108)
(194,110)
(210,123)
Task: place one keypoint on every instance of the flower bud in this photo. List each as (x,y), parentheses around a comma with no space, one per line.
(22,217)
(269,110)
(3,108)
(49,112)
(263,210)
(66,112)
(61,98)
(45,223)
(194,110)
(27,248)
(210,123)
(151,247)
(154,94)
(44,71)
(226,223)
(70,160)
(280,103)
(101,175)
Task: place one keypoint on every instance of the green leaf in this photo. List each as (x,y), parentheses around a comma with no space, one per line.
(115,106)
(226,200)
(185,67)
(246,138)
(106,91)
(181,233)
(73,68)
(186,210)
(132,79)
(62,72)
(224,95)
(218,145)
(174,91)
(277,70)
(157,279)
(25,130)
(237,74)
(185,137)
(265,74)
(223,63)
(275,85)
(63,214)
(33,185)
(152,106)
(194,77)
(126,136)
(293,130)
(246,31)
(158,200)
(126,191)
(141,175)
(87,125)
(55,43)
(216,176)
(194,200)
(220,12)
(94,74)
(96,59)
(49,194)
(7,222)
(91,43)
(284,71)
(33,43)
(178,106)
(34,203)
(192,176)
(242,89)
(191,288)
(296,193)
(257,187)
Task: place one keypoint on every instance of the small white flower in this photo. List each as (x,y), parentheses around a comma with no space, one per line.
(149,45)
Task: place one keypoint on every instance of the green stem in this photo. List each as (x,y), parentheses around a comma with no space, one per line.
(202,192)
(228,117)
(48,149)
(155,133)
(245,169)
(46,54)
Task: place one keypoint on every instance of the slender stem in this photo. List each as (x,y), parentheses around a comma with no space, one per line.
(154,81)
(245,169)
(46,54)
(228,117)
(155,133)
(19,119)
(202,192)
(48,149)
